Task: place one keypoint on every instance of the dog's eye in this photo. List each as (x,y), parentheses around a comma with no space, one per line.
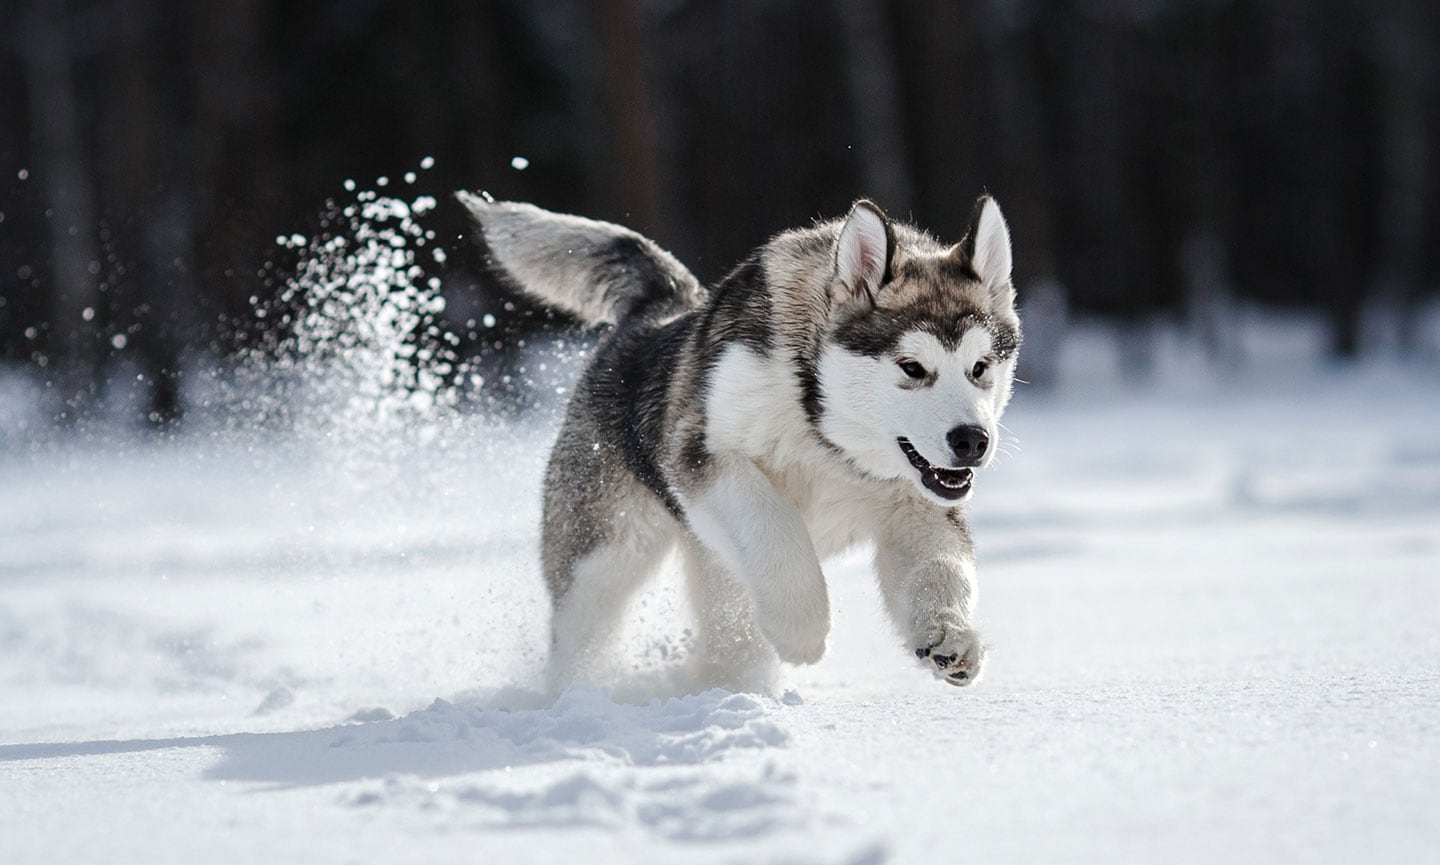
(912,369)
(979,369)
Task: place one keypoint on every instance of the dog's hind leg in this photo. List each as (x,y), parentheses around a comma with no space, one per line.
(591,591)
(730,651)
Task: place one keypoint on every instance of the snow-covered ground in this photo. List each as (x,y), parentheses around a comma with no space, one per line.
(1213,610)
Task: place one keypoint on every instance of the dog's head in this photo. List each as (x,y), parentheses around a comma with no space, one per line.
(919,360)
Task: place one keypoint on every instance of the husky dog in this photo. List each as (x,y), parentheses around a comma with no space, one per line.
(839,387)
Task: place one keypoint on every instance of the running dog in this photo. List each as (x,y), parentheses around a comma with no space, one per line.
(840,386)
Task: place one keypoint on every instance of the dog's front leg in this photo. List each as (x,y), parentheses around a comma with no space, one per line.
(927,576)
(765,544)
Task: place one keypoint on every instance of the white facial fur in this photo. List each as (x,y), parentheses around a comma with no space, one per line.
(870,402)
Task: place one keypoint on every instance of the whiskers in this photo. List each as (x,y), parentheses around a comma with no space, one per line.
(1009,443)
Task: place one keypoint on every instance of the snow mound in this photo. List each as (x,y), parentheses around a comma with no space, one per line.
(596,763)
(584,724)
(690,729)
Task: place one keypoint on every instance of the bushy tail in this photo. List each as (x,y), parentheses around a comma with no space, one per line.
(601,272)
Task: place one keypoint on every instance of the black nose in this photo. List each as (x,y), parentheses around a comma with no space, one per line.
(969,444)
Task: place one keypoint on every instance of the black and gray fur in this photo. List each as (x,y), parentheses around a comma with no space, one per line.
(668,442)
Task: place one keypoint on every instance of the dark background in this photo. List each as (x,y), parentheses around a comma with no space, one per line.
(1156,160)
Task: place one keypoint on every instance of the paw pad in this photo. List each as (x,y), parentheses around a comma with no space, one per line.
(957,655)
(941,661)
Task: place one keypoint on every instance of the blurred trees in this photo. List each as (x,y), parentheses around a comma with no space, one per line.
(1153,156)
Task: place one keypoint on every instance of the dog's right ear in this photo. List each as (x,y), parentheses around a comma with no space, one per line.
(863,252)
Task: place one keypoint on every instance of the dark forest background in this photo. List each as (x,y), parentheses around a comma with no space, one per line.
(1156,158)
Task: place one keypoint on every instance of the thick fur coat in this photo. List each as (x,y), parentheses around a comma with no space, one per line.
(839,387)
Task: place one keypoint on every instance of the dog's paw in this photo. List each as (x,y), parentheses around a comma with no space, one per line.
(798,635)
(953,652)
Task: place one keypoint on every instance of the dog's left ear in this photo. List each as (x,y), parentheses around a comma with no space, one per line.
(863,252)
(986,247)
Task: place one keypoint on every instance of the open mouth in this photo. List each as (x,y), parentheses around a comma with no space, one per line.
(948,484)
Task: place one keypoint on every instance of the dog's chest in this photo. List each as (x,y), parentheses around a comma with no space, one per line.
(755,408)
(838,512)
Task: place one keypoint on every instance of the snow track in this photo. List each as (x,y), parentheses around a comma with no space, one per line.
(1211,612)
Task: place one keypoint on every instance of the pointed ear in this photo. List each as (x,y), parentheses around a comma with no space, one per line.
(987,244)
(863,251)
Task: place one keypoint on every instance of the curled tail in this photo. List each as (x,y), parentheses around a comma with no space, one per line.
(602,272)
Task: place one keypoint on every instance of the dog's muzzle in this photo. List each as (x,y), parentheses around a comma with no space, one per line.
(948,484)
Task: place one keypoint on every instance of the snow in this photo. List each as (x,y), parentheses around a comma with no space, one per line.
(1211,604)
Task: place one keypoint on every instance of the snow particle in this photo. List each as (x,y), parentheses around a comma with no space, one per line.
(118,341)
(23,174)
(88,313)
(519,163)
(427,163)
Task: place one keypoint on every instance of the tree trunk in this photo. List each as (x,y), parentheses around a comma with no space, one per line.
(876,94)
(72,225)
(1405,149)
(627,92)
